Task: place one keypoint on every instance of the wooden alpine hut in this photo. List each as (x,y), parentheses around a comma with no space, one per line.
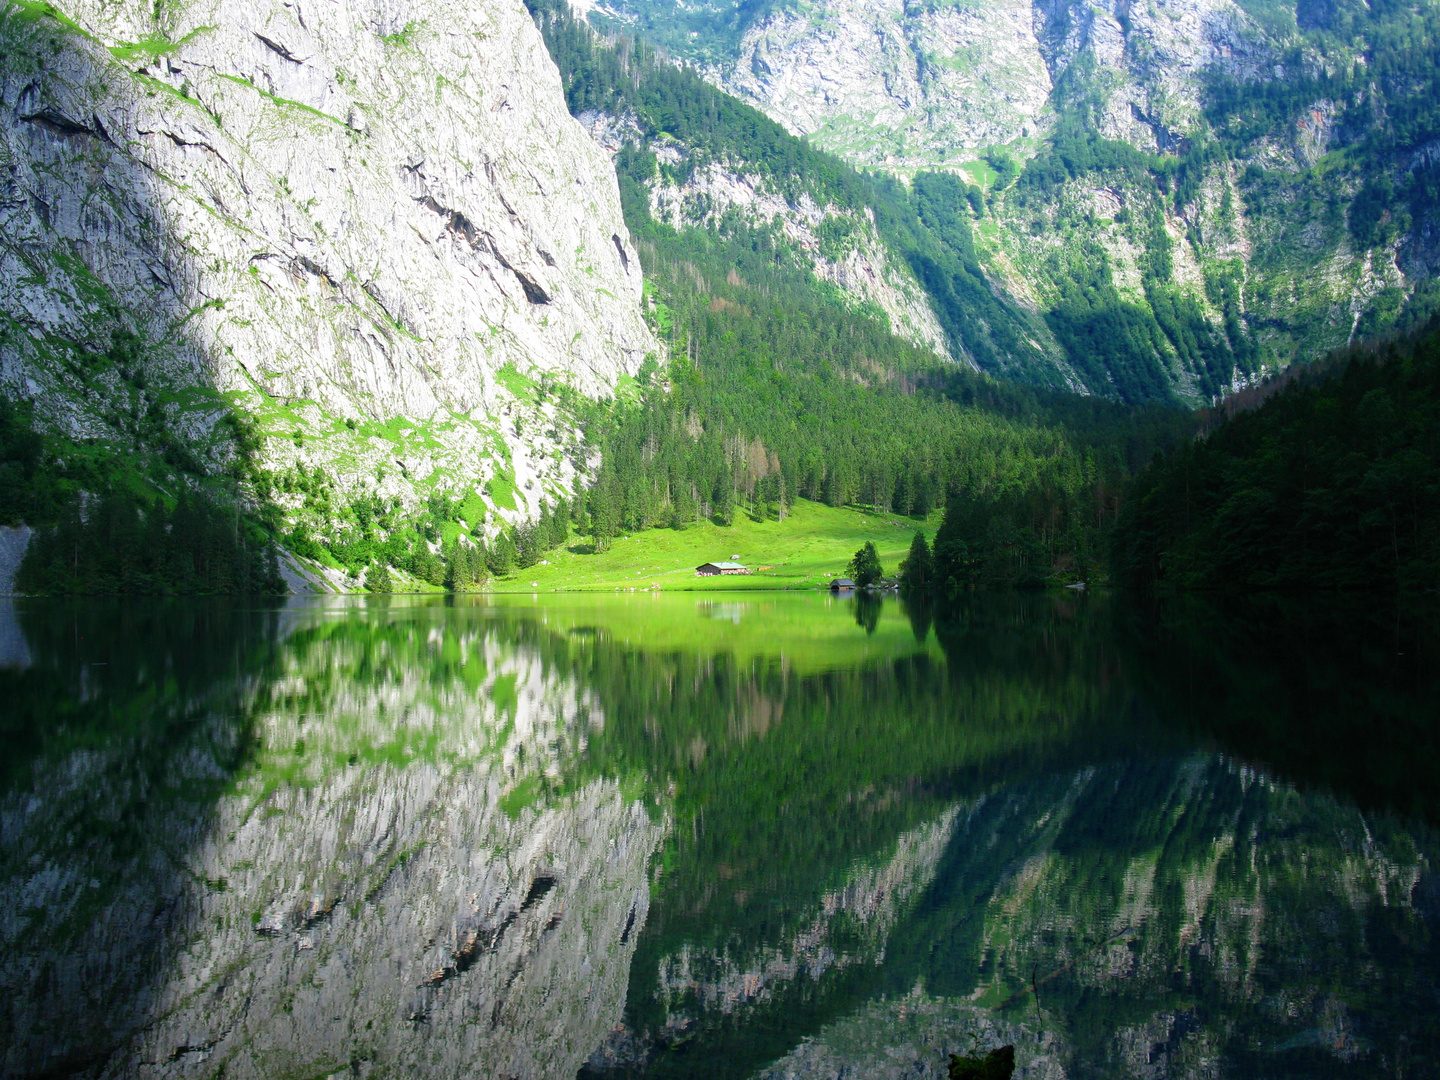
(715,569)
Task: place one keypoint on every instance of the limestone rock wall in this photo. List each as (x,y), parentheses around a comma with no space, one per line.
(906,85)
(363,224)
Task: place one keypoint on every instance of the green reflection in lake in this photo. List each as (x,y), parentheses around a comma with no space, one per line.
(729,836)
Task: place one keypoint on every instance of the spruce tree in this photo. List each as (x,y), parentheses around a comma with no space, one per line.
(604,511)
(378,580)
(683,508)
(724,499)
(527,544)
(917,569)
(455,567)
(865,566)
(501,558)
(479,556)
(560,525)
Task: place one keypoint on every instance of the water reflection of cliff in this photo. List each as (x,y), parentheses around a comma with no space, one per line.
(1242,929)
(351,853)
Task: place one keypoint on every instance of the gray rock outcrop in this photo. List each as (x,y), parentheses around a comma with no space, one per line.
(903,85)
(367,227)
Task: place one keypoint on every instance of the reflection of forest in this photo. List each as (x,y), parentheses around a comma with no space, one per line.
(1153,917)
(420,838)
(1009,846)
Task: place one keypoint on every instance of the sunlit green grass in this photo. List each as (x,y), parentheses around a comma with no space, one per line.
(813,544)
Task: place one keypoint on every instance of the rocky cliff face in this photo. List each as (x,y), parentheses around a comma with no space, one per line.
(838,247)
(916,85)
(366,227)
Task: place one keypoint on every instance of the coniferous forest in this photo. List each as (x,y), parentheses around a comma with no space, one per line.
(1332,483)
(113,546)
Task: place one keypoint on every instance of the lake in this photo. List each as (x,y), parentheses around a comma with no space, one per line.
(722,836)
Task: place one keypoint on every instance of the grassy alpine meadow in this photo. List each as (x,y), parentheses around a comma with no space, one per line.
(814,543)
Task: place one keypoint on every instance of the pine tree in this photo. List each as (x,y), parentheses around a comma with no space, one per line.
(865,566)
(473,566)
(527,545)
(917,569)
(682,505)
(273,583)
(479,557)
(456,566)
(501,558)
(378,580)
(425,565)
(560,525)
(604,510)
(724,499)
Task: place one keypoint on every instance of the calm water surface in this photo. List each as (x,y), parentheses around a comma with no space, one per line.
(721,836)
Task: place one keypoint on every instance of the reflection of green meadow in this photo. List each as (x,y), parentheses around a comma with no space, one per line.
(807,632)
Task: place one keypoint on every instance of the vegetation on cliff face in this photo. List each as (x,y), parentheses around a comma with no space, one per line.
(340,331)
(1332,483)
(1197,206)
(152,521)
(928,229)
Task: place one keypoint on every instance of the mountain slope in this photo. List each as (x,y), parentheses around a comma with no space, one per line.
(1210,188)
(695,161)
(318,247)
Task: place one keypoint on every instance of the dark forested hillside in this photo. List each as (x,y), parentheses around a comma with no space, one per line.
(114,546)
(1330,484)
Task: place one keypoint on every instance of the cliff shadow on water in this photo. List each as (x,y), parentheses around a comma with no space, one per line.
(121,728)
(1332,692)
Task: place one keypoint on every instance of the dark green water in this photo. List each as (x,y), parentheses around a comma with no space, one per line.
(670,836)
